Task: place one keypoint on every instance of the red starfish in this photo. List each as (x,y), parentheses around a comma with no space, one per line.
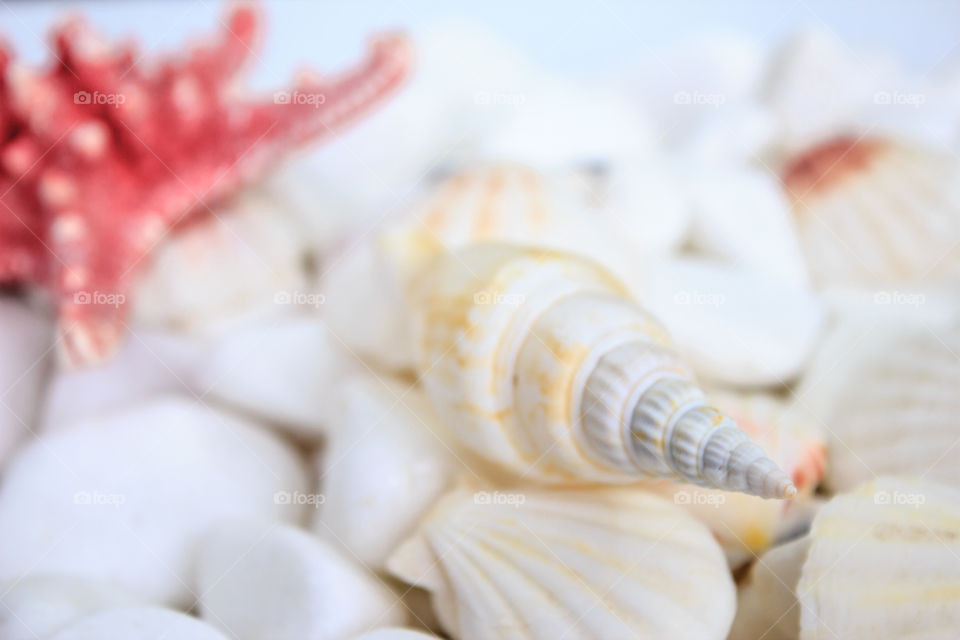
(100,156)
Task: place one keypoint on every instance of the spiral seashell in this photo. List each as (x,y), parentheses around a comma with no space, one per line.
(876,211)
(880,562)
(746,525)
(605,563)
(540,362)
(891,402)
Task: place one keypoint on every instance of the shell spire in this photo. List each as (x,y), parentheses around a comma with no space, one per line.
(541,363)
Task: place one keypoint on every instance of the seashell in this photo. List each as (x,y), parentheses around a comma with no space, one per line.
(880,562)
(727,201)
(37,606)
(876,211)
(540,565)
(285,584)
(365,286)
(138,623)
(745,525)
(134,490)
(222,266)
(890,400)
(281,372)
(384,467)
(735,328)
(26,339)
(540,362)
(736,135)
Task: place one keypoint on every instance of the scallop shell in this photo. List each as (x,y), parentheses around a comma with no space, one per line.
(540,362)
(888,391)
(745,525)
(579,564)
(876,211)
(880,562)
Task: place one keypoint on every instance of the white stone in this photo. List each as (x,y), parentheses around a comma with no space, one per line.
(742,217)
(285,584)
(37,606)
(138,623)
(281,371)
(26,339)
(385,466)
(123,498)
(149,363)
(733,327)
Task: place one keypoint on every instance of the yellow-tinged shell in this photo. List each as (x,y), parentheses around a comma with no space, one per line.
(745,525)
(884,562)
(541,363)
(611,563)
(880,562)
(877,211)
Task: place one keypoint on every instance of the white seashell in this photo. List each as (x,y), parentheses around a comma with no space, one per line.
(284,584)
(744,525)
(280,371)
(26,338)
(888,392)
(395,634)
(122,498)
(385,466)
(138,623)
(742,218)
(876,211)
(766,600)
(149,364)
(226,263)
(541,363)
(540,565)
(37,606)
(735,135)
(733,327)
(880,562)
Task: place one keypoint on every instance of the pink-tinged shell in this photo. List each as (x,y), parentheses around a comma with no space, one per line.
(876,211)
(110,155)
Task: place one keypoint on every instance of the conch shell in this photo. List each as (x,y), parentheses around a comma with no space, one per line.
(540,362)
(608,563)
(880,562)
(876,211)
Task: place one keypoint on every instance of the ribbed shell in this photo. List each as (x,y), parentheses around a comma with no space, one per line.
(540,362)
(876,211)
(610,563)
(884,562)
(892,403)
